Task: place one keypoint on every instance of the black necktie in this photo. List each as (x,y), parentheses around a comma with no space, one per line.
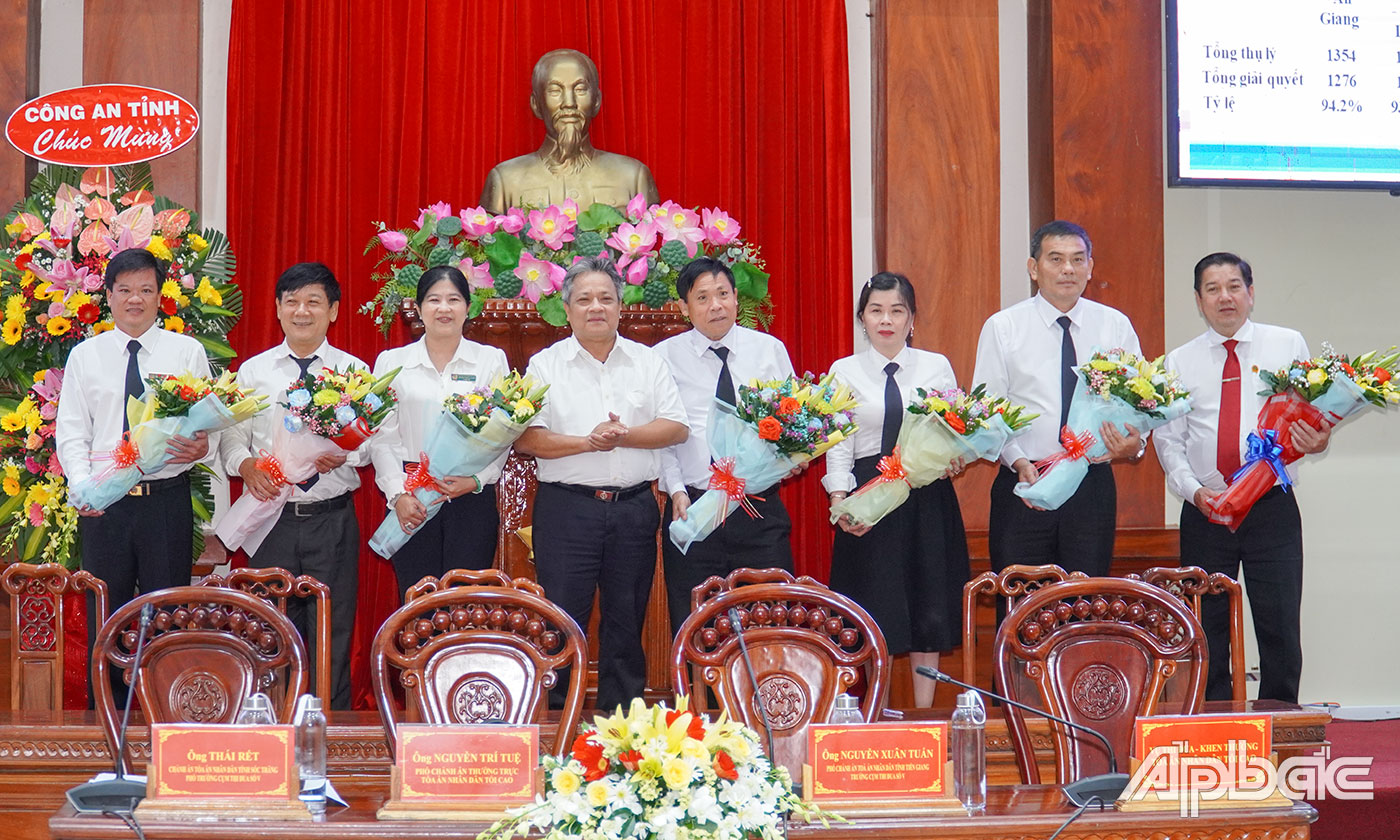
(894,410)
(133,379)
(305,365)
(1068,378)
(724,388)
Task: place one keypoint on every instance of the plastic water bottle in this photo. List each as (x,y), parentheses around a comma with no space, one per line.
(256,710)
(970,752)
(311,752)
(846,710)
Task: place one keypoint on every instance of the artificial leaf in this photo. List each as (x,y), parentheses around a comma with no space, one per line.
(504,251)
(599,217)
(632,294)
(750,281)
(551,309)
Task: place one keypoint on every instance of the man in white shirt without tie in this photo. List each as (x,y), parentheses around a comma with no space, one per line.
(612,405)
(1200,453)
(317,533)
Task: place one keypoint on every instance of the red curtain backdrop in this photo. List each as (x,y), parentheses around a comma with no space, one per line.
(343,114)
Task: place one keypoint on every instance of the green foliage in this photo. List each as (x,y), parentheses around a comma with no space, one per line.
(551,309)
(600,217)
(504,252)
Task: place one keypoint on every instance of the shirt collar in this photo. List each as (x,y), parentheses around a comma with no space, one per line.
(146,339)
(285,351)
(1051,315)
(418,354)
(877,360)
(699,344)
(574,350)
(1243,335)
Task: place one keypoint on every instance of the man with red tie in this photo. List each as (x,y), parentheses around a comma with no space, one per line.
(1200,453)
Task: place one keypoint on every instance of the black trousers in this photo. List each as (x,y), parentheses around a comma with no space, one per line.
(461,536)
(583,545)
(326,546)
(742,542)
(1269,547)
(1078,536)
(140,544)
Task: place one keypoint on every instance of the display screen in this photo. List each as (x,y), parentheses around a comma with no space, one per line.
(1296,93)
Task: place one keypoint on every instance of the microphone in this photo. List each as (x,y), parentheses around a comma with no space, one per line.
(1104,787)
(118,795)
(753,680)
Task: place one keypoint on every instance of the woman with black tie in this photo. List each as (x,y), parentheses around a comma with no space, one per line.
(908,570)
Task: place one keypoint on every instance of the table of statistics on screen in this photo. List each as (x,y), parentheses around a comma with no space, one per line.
(1287,90)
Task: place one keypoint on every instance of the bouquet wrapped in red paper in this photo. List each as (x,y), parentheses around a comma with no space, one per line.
(1325,389)
(327,412)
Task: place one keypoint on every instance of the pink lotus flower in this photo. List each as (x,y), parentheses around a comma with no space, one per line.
(552,227)
(478,276)
(631,240)
(513,221)
(720,227)
(393,241)
(676,222)
(635,269)
(636,207)
(477,222)
(538,277)
(570,208)
(440,210)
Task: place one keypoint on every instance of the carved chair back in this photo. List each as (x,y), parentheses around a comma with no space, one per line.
(36,629)
(1097,652)
(476,647)
(807,644)
(1190,584)
(1013,583)
(276,585)
(207,648)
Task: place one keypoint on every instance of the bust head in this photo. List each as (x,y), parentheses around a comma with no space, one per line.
(564,94)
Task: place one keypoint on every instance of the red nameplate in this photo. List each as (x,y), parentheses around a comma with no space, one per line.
(223,760)
(1230,739)
(878,760)
(468,763)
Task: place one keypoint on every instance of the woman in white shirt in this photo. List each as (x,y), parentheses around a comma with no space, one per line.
(462,535)
(909,569)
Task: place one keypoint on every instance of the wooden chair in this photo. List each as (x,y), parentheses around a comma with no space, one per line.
(36,629)
(207,648)
(1097,652)
(476,647)
(1013,583)
(1190,584)
(807,644)
(275,586)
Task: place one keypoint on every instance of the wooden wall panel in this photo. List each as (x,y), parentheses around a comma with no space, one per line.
(937,162)
(134,42)
(1095,133)
(19,82)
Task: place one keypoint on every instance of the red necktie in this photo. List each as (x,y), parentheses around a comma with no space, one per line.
(1227,441)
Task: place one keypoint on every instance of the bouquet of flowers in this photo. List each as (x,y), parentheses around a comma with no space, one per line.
(942,426)
(38,523)
(1118,387)
(328,411)
(775,427)
(523,253)
(663,774)
(1325,389)
(182,405)
(470,433)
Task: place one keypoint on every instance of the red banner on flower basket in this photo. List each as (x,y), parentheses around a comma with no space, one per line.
(102,125)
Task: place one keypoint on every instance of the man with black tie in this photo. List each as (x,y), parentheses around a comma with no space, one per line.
(1201,452)
(706,362)
(1028,352)
(317,533)
(145,540)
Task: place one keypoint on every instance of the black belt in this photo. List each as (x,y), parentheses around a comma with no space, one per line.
(302,510)
(158,485)
(604,494)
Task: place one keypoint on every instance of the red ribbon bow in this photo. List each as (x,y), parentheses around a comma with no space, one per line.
(722,478)
(1075,447)
(126,454)
(418,477)
(268,463)
(892,468)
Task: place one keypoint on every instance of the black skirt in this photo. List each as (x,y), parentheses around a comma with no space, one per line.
(909,570)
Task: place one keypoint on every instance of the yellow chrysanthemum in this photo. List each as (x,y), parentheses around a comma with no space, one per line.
(207,294)
(1142,387)
(40,375)
(12,422)
(58,326)
(41,291)
(32,421)
(11,486)
(12,332)
(158,247)
(101,327)
(475,400)
(27,279)
(197,242)
(15,307)
(326,397)
(523,407)
(39,494)
(77,300)
(175,324)
(172,289)
(12,470)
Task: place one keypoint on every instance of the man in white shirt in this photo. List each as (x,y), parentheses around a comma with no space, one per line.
(612,405)
(145,540)
(317,533)
(1028,353)
(707,362)
(1201,452)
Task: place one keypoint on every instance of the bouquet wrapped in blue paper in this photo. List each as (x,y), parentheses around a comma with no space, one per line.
(1116,387)
(471,432)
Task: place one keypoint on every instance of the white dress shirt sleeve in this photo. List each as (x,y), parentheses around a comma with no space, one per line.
(990,370)
(236,443)
(73,422)
(386,447)
(841,458)
(1170,442)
